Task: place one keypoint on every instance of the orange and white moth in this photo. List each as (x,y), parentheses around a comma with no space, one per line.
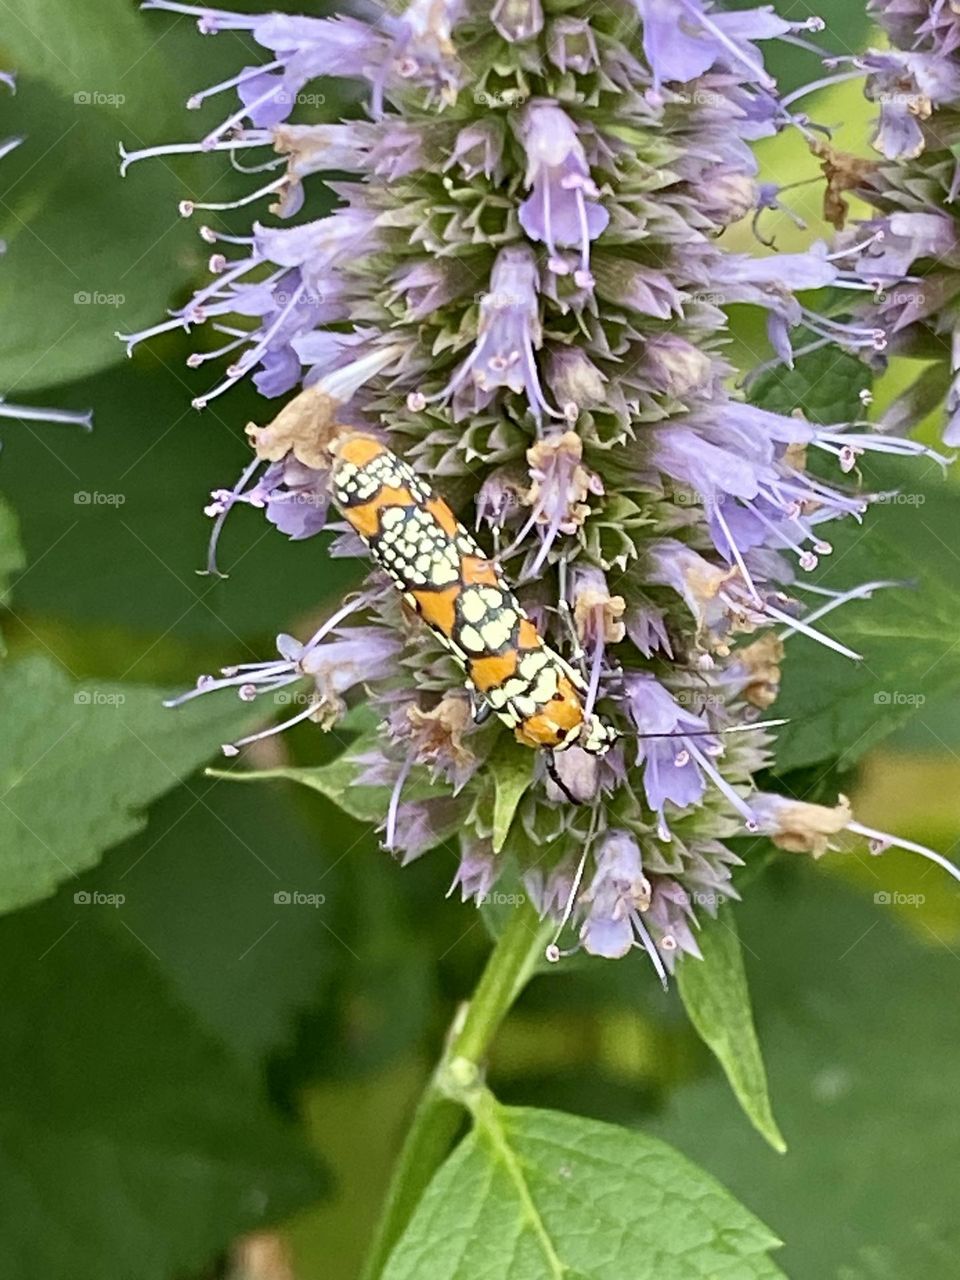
(463,596)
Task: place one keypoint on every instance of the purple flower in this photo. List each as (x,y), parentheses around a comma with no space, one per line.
(517,20)
(679,752)
(683,39)
(508,333)
(427,286)
(933,24)
(675,366)
(669,920)
(335,660)
(573,46)
(618,893)
(772,283)
(296,498)
(644,289)
(436,737)
(477,872)
(478,149)
(705,588)
(563,209)
(420,825)
(549,891)
(647,629)
(559,491)
(907,87)
(414,48)
(671,769)
(289,303)
(529,305)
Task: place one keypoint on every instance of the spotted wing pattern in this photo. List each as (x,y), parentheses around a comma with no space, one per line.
(463,596)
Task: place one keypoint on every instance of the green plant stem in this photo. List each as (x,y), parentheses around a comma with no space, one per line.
(438,1116)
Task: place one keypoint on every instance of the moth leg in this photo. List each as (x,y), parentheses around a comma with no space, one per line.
(554,773)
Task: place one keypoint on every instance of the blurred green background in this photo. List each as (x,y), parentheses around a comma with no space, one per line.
(200,1061)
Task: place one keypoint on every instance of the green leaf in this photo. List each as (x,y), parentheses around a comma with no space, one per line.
(825,385)
(78,763)
(241,906)
(12,559)
(108,49)
(89,252)
(907,634)
(536,1195)
(715,995)
(336,780)
(131,1143)
(860,1029)
(131,494)
(511,769)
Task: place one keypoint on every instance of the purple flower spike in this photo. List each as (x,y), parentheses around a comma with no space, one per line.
(520,293)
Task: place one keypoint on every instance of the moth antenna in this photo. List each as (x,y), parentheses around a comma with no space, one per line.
(718,733)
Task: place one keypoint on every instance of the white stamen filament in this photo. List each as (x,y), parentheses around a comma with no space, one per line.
(884,838)
(233,748)
(251,138)
(796,624)
(863,592)
(390,830)
(195,99)
(250,198)
(738,557)
(73,417)
(209,143)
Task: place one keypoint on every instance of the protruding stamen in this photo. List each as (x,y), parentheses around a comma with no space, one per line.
(390,829)
(248,73)
(863,592)
(72,417)
(886,840)
(251,138)
(797,624)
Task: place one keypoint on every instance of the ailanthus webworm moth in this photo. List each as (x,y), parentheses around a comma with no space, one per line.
(463,596)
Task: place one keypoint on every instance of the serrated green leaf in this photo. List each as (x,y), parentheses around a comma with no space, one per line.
(907,634)
(78,764)
(825,385)
(539,1195)
(715,995)
(511,770)
(131,1143)
(89,252)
